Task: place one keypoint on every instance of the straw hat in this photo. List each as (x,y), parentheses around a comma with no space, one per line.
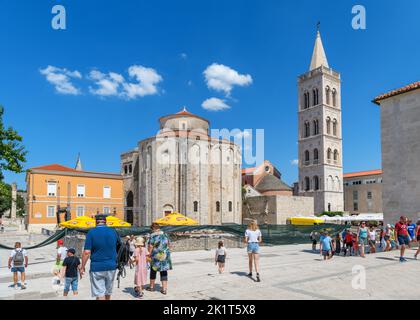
(139,242)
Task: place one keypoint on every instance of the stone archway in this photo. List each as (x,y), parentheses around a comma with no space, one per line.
(129,212)
(167,209)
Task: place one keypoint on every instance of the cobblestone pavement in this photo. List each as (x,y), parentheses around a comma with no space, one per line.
(288,272)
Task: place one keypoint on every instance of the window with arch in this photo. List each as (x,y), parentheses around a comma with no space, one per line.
(316,183)
(307,129)
(230,206)
(328,95)
(316,127)
(125,169)
(306,100)
(307,184)
(307,157)
(334,97)
(130,169)
(195,206)
(335,125)
(329,153)
(316,156)
(218,206)
(315,93)
(336,155)
(328,125)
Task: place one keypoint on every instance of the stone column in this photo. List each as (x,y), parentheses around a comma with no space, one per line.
(14,200)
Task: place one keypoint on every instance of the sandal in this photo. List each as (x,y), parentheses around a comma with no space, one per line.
(162,291)
(151,289)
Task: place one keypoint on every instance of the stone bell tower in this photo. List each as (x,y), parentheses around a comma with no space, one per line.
(320,134)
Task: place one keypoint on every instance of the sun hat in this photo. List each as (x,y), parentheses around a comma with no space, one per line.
(139,242)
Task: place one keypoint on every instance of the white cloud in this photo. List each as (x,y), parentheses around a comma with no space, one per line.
(60,78)
(215,104)
(294,162)
(184,56)
(107,84)
(223,78)
(147,80)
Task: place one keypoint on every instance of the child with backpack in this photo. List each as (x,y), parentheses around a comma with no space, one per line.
(220,258)
(18,261)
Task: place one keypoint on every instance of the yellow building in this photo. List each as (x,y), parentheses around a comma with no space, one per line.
(86,193)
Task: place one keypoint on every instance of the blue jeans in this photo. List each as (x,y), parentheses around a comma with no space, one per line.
(73,282)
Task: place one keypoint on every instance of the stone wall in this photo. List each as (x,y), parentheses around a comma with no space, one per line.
(400,124)
(178,244)
(276,209)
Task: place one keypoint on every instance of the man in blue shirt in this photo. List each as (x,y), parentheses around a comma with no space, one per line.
(101,248)
(326,246)
(411,228)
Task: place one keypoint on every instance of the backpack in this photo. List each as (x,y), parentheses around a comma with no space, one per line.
(18,259)
(123,256)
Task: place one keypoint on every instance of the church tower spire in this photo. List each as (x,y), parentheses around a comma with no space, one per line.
(319,58)
(79,166)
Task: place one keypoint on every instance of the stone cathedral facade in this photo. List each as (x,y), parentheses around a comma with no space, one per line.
(320,133)
(182,169)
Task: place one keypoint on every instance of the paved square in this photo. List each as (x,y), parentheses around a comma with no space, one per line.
(288,272)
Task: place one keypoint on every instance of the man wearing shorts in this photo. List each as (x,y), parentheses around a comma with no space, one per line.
(101,248)
(401,233)
(326,246)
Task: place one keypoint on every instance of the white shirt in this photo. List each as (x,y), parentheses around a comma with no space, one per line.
(221,252)
(62,252)
(13,253)
(372,235)
(253,235)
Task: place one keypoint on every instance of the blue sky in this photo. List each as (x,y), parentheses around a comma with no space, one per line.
(271,41)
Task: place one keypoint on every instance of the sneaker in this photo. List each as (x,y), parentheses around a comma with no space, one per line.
(16,287)
(140,295)
(258,277)
(250,274)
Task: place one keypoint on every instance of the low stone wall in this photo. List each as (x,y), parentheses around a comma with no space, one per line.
(179,244)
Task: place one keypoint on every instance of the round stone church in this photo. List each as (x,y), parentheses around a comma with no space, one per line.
(183,169)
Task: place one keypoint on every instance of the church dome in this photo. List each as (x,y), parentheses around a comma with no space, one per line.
(184,121)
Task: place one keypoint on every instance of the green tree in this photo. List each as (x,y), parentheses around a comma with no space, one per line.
(12,152)
(6,200)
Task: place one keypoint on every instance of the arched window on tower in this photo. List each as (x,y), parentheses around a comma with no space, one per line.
(316,156)
(328,95)
(334,97)
(335,125)
(329,153)
(336,156)
(195,206)
(328,125)
(316,183)
(316,127)
(230,206)
(307,131)
(306,100)
(307,184)
(218,206)
(307,158)
(315,93)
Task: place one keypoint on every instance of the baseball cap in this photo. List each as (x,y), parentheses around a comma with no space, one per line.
(60,242)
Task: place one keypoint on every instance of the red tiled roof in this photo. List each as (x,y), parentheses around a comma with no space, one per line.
(363,173)
(59,167)
(55,167)
(248,170)
(408,88)
(185,113)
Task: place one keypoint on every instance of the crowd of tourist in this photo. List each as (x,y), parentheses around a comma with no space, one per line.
(369,239)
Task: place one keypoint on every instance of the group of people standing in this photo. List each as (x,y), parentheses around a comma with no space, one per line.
(400,236)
